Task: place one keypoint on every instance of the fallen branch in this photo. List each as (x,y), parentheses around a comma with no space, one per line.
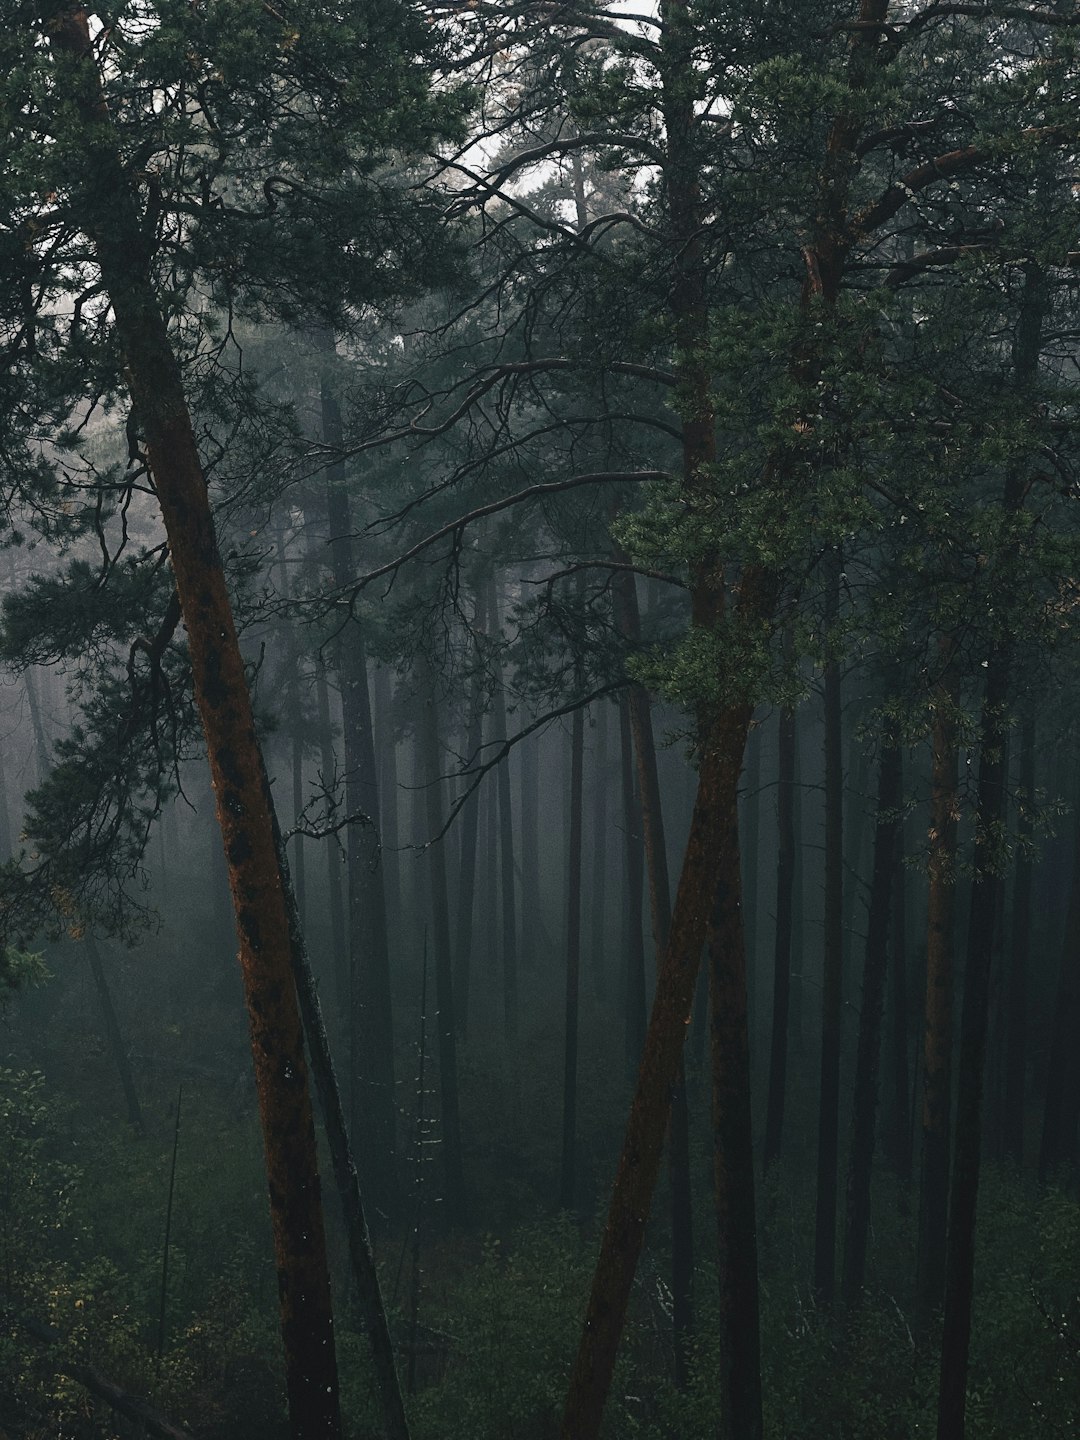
(122,1401)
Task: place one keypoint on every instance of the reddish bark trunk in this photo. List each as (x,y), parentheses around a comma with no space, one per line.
(242,793)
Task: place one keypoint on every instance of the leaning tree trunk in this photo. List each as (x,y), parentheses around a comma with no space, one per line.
(109,217)
(868,1058)
(365,1277)
(714,819)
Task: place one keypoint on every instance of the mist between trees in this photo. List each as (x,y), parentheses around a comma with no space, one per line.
(549,534)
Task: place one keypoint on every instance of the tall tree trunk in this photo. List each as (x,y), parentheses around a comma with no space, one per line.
(733,1156)
(750,848)
(832,981)
(900,1123)
(432,765)
(333,854)
(568,1167)
(868,1059)
(1057,1148)
(785,897)
(714,819)
(372,1108)
(109,216)
(598,887)
(635,1010)
(114,1038)
(937,1049)
(365,1276)
(628,622)
(384,712)
(470,825)
(963,1195)
(506,849)
(530,849)
(42,761)
(1016,1009)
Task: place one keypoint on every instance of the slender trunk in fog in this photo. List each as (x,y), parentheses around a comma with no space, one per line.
(967,1147)
(568,1169)
(1016,1009)
(868,1058)
(635,1012)
(1057,1148)
(5,820)
(333,853)
(750,845)
(937,1048)
(41,744)
(115,1040)
(785,897)
(598,887)
(470,823)
(385,717)
(111,219)
(832,980)
(506,847)
(530,848)
(715,818)
(628,622)
(431,761)
(796,1015)
(733,1154)
(900,1124)
(372,1108)
(366,1287)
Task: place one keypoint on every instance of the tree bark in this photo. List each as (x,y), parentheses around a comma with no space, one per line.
(454,1207)
(1058,1146)
(785,899)
(366,1286)
(868,1059)
(1016,1009)
(635,1009)
(733,1155)
(108,215)
(937,1049)
(506,850)
(963,1194)
(598,886)
(628,622)
(714,819)
(900,1126)
(372,1109)
(832,981)
(470,826)
(568,1167)
(114,1038)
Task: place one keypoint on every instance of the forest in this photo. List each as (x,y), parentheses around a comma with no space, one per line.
(539,771)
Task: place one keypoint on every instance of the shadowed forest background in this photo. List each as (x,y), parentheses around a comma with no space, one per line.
(598,487)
